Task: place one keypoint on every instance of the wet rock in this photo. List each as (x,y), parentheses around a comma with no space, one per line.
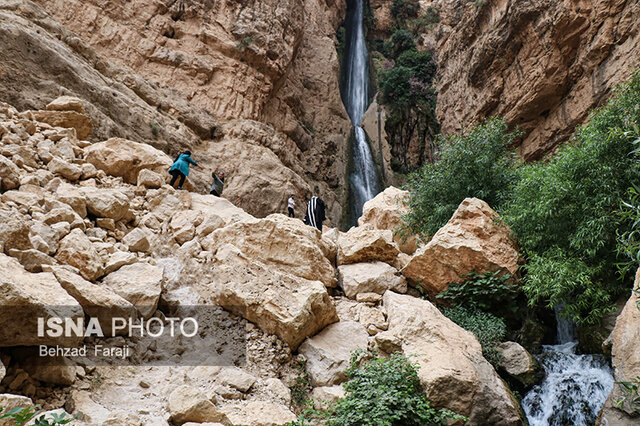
(519,364)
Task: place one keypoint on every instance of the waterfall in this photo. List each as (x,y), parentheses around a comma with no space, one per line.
(363,180)
(575,387)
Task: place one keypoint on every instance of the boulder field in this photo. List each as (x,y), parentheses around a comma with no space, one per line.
(101,234)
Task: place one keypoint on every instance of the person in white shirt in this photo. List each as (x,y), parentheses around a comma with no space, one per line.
(291,206)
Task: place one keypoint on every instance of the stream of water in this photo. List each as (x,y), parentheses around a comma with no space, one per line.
(364,181)
(575,387)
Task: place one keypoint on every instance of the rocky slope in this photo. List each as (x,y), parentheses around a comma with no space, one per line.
(84,236)
(270,61)
(541,64)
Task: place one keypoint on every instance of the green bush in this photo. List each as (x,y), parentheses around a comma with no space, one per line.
(23,415)
(488,329)
(385,392)
(488,292)
(477,163)
(401,10)
(564,211)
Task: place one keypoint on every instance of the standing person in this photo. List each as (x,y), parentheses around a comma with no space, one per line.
(218,183)
(180,168)
(315,212)
(291,205)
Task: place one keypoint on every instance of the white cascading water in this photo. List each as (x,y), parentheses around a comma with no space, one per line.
(364,179)
(575,387)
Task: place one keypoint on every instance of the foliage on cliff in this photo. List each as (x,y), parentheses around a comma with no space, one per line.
(563,211)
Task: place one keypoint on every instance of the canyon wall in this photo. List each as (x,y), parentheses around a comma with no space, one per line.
(542,64)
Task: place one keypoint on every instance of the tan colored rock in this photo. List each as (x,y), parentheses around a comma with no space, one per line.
(66,103)
(183,225)
(69,119)
(109,203)
(366,244)
(52,370)
(374,277)
(140,284)
(70,195)
(282,243)
(625,360)
(25,297)
(329,352)
(76,250)
(60,214)
(472,240)
(236,378)
(9,174)
(97,301)
(14,231)
(328,394)
(453,372)
(136,240)
(290,307)
(259,413)
(65,169)
(51,234)
(125,158)
(118,260)
(221,207)
(22,198)
(187,404)
(32,260)
(518,363)
(150,179)
(385,211)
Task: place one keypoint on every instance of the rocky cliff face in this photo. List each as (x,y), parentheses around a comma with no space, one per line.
(270,61)
(541,64)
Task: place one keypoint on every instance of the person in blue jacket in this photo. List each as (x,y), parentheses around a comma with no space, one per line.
(180,168)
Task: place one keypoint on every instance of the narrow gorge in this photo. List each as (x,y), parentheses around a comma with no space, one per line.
(478,163)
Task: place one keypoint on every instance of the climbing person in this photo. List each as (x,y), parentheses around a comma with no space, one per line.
(180,168)
(218,182)
(315,212)
(291,205)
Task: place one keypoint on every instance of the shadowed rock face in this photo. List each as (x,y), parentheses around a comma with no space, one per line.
(542,64)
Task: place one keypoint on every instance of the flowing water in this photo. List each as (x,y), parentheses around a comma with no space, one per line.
(575,387)
(364,182)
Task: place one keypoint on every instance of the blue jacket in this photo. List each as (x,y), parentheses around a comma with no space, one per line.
(182,164)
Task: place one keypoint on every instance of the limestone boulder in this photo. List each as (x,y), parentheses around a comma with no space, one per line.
(32,260)
(474,239)
(106,203)
(14,231)
(66,103)
(140,284)
(385,211)
(453,372)
(625,359)
(183,225)
(259,413)
(68,119)
(118,260)
(97,301)
(328,353)
(282,243)
(125,158)
(73,197)
(150,179)
(518,363)
(210,205)
(24,298)
(76,250)
(63,168)
(374,277)
(290,307)
(366,244)
(137,240)
(327,394)
(9,174)
(187,404)
(52,370)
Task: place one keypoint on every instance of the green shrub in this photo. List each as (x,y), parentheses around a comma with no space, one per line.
(477,163)
(401,10)
(487,292)
(488,329)
(564,211)
(385,392)
(22,415)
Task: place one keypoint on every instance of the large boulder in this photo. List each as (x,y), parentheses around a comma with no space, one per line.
(66,103)
(212,205)
(474,239)
(259,413)
(97,301)
(76,250)
(385,211)
(452,370)
(625,359)
(518,363)
(14,231)
(375,277)
(140,284)
(283,243)
(290,307)
(68,119)
(25,297)
(366,244)
(188,404)
(328,353)
(109,203)
(9,174)
(125,158)
(63,168)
